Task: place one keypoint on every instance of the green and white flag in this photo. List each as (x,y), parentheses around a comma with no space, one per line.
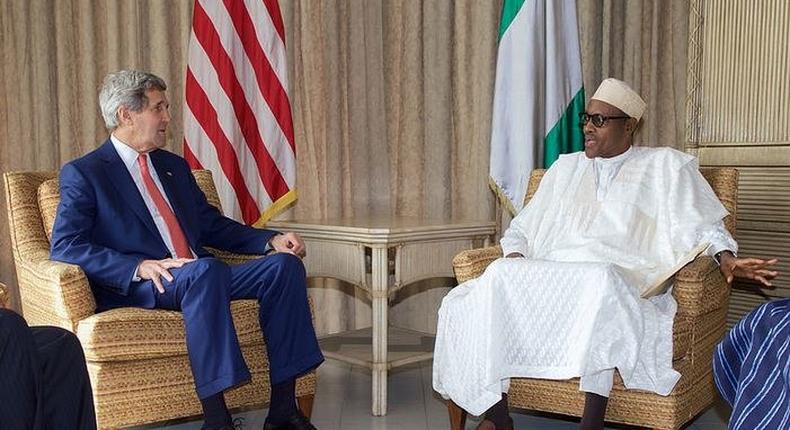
(538,93)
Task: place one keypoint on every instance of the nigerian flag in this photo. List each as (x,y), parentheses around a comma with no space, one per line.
(538,93)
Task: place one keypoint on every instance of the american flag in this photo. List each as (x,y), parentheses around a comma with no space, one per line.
(237,116)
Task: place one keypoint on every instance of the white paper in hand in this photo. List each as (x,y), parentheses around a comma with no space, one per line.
(662,282)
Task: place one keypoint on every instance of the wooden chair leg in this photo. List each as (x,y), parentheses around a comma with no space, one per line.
(306,404)
(457,416)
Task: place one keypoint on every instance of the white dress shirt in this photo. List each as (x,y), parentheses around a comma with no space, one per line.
(129,157)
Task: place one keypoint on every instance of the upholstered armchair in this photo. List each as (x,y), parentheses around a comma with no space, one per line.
(702,295)
(137,358)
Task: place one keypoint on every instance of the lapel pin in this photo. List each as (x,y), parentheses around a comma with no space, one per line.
(168,173)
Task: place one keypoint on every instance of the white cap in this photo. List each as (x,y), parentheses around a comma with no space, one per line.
(618,94)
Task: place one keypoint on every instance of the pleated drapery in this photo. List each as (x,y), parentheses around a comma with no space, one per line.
(391,101)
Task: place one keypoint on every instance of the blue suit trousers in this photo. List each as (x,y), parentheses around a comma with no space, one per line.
(203,289)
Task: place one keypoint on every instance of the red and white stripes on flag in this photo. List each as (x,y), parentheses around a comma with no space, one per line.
(237,117)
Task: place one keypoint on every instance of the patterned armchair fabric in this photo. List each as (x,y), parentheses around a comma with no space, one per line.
(702,295)
(3,296)
(136,358)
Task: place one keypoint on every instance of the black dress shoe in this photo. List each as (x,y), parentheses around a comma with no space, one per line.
(297,421)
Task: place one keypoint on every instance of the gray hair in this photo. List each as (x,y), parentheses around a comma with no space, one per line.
(126,88)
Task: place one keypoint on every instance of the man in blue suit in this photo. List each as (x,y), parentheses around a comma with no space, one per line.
(132,216)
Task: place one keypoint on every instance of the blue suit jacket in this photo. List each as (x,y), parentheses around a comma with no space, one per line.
(103,225)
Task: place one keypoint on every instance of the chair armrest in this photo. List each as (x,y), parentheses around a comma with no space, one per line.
(472,263)
(231,257)
(3,296)
(700,287)
(54,293)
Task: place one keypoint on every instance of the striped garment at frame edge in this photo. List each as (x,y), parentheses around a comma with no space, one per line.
(752,368)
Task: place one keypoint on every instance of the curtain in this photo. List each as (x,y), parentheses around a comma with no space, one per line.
(55,54)
(643,43)
(391,100)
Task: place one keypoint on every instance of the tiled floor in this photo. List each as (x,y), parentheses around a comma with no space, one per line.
(343,402)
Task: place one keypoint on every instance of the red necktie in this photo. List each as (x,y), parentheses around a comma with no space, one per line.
(176,234)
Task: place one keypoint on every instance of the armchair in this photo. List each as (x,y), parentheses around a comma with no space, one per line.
(702,295)
(123,345)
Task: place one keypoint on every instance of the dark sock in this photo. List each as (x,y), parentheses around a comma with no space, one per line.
(283,403)
(215,412)
(498,414)
(594,412)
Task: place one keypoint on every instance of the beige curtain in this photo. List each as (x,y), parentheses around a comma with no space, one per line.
(391,99)
(55,54)
(644,43)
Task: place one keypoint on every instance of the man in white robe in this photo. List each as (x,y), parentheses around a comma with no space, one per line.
(604,225)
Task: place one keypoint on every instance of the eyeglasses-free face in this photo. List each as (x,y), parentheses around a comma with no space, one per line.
(597,119)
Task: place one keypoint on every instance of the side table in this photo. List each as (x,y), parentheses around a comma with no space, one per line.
(381,255)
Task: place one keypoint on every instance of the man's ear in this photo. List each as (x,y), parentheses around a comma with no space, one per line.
(631,125)
(124,115)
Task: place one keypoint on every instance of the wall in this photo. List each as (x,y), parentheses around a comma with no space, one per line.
(739,115)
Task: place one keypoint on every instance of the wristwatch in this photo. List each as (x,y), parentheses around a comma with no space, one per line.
(719,254)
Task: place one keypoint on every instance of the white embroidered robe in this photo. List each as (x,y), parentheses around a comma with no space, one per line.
(595,234)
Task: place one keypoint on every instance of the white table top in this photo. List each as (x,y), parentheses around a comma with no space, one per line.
(385,228)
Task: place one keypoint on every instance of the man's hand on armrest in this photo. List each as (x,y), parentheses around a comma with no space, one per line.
(290,243)
(747,268)
(157,269)
(515,255)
